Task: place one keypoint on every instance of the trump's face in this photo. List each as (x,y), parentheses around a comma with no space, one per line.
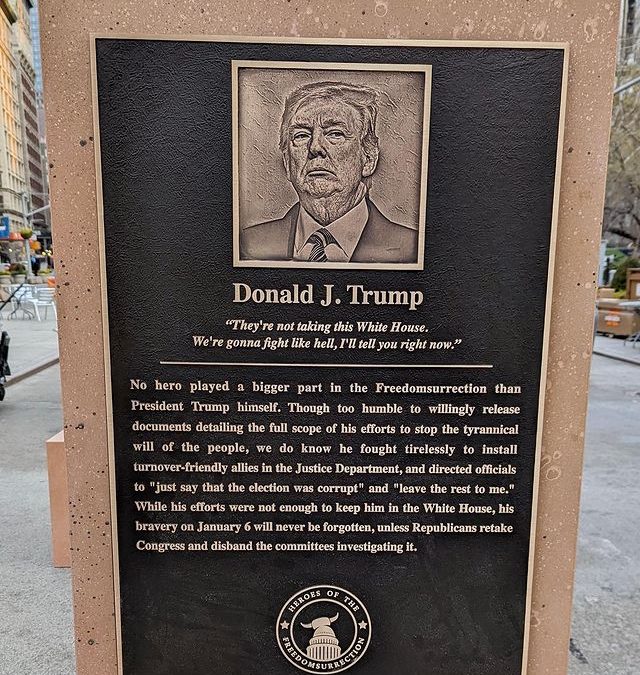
(324,156)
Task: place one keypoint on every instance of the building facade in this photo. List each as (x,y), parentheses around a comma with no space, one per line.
(42,220)
(629,32)
(23,171)
(12,170)
(31,137)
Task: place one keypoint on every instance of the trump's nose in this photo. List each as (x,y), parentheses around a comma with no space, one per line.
(316,144)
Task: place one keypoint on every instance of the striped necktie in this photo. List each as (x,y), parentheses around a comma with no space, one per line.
(319,241)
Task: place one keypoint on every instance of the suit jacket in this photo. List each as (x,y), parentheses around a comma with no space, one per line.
(382,241)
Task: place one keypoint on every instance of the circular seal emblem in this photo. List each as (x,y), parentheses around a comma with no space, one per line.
(323,629)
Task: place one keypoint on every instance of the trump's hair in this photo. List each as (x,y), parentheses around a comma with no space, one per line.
(364,100)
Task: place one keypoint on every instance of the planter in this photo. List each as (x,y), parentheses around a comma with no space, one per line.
(5,280)
(19,278)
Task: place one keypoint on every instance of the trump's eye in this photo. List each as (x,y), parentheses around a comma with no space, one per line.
(335,134)
(300,137)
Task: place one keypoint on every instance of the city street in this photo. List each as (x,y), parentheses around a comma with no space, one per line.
(36,606)
(607,592)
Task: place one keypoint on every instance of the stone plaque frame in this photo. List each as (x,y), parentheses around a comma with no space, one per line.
(591,32)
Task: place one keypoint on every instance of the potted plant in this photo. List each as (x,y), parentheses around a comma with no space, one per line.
(5,278)
(43,275)
(18,273)
(26,233)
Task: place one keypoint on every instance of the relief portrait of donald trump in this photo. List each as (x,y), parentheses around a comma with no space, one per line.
(330,150)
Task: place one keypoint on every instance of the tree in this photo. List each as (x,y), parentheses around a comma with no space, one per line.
(622,201)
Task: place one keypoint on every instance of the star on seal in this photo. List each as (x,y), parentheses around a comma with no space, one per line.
(284,625)
(363,625)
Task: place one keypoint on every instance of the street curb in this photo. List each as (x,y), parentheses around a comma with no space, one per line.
(43,365)
(624,359)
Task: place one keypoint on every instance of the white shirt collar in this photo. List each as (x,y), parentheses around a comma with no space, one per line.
(346,230)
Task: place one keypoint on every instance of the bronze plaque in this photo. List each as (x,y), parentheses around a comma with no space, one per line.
(327,274)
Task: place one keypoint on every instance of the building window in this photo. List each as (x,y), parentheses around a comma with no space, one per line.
(630,30)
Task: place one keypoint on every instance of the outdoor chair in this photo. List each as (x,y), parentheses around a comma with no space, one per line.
(44,298)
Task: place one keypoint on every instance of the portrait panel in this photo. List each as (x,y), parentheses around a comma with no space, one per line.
(330,164)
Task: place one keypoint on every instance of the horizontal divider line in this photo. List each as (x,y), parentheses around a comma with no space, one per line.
(324,365)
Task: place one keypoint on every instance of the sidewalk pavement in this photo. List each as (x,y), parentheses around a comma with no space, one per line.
(35,602)
(607,584)
(616,348)
(32,343)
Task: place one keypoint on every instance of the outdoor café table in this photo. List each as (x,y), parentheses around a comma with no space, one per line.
(17,297)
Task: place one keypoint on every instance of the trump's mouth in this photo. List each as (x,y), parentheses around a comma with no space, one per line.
(320,173)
